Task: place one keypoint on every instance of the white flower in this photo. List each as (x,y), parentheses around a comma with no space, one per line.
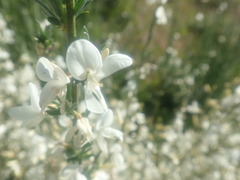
(30,115)
(154,1)
(101,175)
(71,172)
(161,15)
(103,130)
(84,62)
(82,127)
(54,76)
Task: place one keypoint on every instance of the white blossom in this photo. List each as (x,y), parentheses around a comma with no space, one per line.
(72,172)
(32,114)
(161,15)
(84,62)
(82,127)
(54,76)
(104,130)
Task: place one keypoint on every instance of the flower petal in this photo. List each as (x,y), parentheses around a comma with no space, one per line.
(34,96)
(109,132)
(102,144)
(35,121)
(94,100)
(29,116)
(70,133)
(113,63)
(105,120)
(59,74)
(85,128)
(77,141)
(71,172)
(50,90)
(82,55)
(44,69)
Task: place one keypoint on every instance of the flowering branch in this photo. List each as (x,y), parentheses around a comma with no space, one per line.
(86,64)
(71,36)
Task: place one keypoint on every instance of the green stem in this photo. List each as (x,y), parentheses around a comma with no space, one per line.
(71,36)
(70,21)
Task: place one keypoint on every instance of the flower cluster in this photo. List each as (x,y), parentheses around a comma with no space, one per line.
(87,66)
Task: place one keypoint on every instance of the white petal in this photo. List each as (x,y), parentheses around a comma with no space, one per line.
(71,172)
(77,141)
(59,74)
(111,133)
(80,176)
(95,101)
(82,55)
(97,92)
(35,121)
(105,120)
(70,133)
(44,69)
(85,128)
(29,116)
(114,63)
(50,90)
(102,144)
(34,96)
(22,112)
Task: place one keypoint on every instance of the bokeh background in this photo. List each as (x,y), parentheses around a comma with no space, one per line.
(178,104)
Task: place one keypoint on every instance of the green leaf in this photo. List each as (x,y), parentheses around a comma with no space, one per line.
(78,5)
(86,147)
(47,11)
(81,7)
(83,12)
(86,156)
(56,6)
(54,112)
(54,21)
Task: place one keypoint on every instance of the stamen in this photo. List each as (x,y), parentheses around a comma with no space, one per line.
(93,79)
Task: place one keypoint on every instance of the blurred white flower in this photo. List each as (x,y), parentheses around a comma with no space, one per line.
(15,167)
(223,6)
(163,1)
(60,61)
(161,17)
(117,159)
(30,115)
(56,80)
(72,172)
(4,54)
(26,73)
(25,58)
(101,175)
(193,108)
(199,16)
(7,85)
(3,23)
(222,39)
(44,24)
(150,2)
(6,35)
(84,62)
(154,1)
(103,130)
(9,66)
(82,127)
(64,120)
